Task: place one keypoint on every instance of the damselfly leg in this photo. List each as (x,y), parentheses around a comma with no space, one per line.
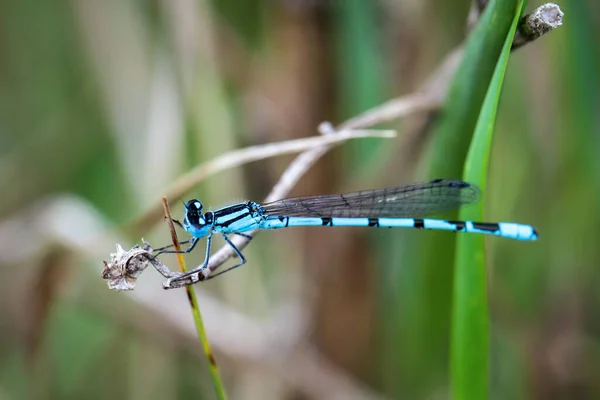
(201,267)
(237,251)
(197,271)
(163,250)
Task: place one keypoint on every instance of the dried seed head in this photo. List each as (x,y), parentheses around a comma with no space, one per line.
(126,266)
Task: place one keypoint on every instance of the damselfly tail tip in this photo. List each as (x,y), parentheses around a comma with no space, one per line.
(528,232)
(534,235)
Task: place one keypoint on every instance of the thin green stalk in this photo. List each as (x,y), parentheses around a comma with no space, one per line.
(212,362)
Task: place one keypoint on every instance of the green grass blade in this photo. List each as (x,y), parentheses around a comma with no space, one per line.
(470,320)
(430,273)
(361,75)
(453,133)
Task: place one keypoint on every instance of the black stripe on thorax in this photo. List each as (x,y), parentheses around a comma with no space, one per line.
(224,212)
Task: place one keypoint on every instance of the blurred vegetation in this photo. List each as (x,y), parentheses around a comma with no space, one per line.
(104,104)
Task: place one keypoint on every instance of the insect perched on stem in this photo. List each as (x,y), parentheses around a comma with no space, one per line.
(394,207)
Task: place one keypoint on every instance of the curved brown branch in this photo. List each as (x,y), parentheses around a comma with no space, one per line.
(538,23)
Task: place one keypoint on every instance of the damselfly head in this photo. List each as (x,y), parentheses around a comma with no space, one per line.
(193,214)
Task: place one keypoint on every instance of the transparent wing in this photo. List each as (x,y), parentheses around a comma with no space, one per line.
(416,200)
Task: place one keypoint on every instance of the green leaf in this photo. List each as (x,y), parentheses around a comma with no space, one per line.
(459,116)
(470,319)
(429,278)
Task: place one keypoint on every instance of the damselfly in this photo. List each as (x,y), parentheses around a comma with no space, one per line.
(394,207)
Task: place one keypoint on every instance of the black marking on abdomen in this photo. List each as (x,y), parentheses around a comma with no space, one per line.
(460,225)
(419,224)
(486,226)
(374,222)
(286,219)
(327,221)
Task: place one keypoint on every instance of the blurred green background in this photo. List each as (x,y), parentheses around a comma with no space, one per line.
(104,104)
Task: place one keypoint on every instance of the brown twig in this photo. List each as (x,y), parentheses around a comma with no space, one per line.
(301,164)
(538,23)
(243,156)
(173,232)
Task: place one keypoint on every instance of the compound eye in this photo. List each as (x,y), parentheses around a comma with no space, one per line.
(195,205)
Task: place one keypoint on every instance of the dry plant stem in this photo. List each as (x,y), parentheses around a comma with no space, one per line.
(393,109)
(212,362)
(538,23)
(239,157)
(173,232)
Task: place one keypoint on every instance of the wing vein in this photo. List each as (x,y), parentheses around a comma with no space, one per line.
(415,200)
